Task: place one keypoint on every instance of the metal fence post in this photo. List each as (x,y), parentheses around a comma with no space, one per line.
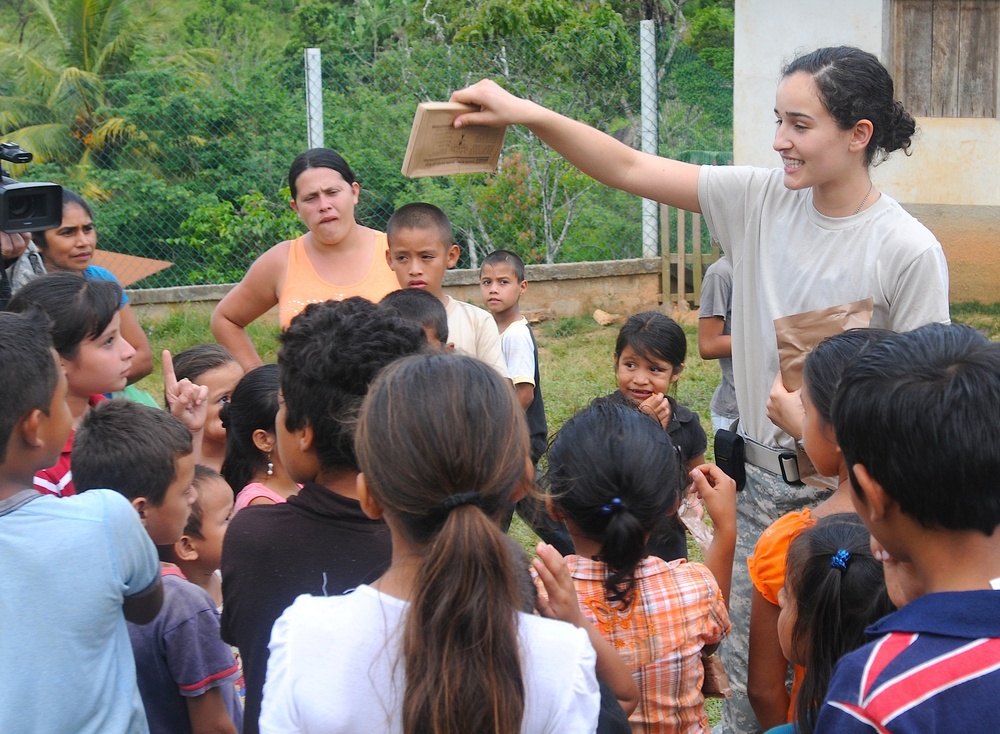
(314,97)
(648,135)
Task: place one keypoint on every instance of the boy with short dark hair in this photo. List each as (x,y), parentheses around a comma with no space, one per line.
(187,669)
(186,673)
(421,307)
(502,283)
(142,453)
(198,554)
(71,566)
(319,542)
(918,424)
(421,249)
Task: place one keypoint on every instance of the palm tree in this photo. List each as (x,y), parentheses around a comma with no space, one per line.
(61,112)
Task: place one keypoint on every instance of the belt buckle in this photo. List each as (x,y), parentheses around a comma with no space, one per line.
(789,465)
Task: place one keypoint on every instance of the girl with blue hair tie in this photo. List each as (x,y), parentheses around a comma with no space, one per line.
(613,474)
(834,589)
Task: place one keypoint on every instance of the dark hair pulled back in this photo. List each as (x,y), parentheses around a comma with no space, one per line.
(615,474)
(653,335)
(253,405)
(854,85)
(828,362)
(318,158)
(834,606)
(446,493)
(68,197)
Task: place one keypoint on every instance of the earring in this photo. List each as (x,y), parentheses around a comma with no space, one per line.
(270,465)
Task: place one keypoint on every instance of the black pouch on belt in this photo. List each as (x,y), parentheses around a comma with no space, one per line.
(729,456)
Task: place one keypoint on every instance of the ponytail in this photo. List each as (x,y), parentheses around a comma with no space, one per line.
(463,671)
(623,549)
(253,405)
(615,474)
(446,490)
(839,591)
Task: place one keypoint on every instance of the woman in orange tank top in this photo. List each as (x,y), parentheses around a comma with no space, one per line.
(337,258)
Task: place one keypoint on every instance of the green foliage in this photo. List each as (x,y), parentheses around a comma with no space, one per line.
(514,18)
(58,107)
(711,37)
(712,27)
(226,239)
(184,154)
(245,31)
(511,203)
(696,106)
(208,137)
(607,220)
(136,213)
(361,26)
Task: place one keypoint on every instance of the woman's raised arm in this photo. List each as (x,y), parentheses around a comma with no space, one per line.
(595,153)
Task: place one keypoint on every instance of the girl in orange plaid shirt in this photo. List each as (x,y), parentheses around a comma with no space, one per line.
(613,474)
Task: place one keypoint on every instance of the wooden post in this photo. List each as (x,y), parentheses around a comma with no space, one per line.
(681,258)
(665,293)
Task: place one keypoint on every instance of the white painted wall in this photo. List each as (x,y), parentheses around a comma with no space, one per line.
(954,161)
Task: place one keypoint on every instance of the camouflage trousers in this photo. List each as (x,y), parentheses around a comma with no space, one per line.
(765,498)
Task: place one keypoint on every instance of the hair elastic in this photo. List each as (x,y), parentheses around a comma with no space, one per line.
(462,498)
(612,507)
(840,559)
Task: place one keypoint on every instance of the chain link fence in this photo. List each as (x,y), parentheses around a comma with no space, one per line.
(198,175)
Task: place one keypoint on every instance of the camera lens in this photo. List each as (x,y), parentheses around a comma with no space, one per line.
(22,207)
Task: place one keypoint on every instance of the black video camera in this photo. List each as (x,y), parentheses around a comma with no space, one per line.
(26,207)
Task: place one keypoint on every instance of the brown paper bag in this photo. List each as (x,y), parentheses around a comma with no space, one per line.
(799,333)
(716,682)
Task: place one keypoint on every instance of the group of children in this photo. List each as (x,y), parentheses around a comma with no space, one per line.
(367,478)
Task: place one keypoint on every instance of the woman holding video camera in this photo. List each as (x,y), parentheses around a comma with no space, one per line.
(71,247)
(336,259)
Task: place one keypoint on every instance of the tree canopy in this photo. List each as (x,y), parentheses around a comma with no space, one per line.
(179,126)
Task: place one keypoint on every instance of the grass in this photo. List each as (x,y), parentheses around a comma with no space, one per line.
(984,317)
(575,355)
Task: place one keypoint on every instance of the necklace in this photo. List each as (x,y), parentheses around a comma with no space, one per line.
(871,187)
